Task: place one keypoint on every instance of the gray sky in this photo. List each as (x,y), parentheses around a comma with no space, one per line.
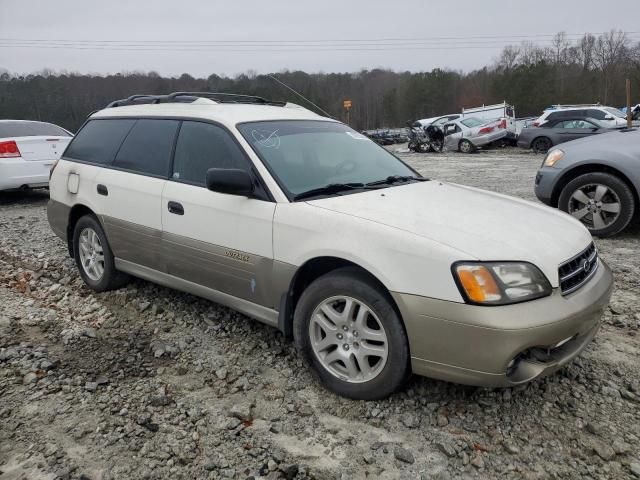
(172,37)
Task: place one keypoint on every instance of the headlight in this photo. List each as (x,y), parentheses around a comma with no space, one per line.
(553,157)
(500,283)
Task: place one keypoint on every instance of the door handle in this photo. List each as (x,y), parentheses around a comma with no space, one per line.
(175,208)
(102,190)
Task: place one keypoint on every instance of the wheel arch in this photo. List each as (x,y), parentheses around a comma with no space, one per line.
(311,270)
(76,213)
(590,168)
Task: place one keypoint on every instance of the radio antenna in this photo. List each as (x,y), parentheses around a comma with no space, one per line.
(298,94)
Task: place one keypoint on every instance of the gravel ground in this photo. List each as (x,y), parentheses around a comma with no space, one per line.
(146,382)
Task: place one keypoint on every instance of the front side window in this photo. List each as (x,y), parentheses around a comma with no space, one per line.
(99,140)
(597,114)
(578,124)
(202,146)
(306,154)
(147,147)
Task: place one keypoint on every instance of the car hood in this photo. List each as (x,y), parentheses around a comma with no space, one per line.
(481,225)
(613,141)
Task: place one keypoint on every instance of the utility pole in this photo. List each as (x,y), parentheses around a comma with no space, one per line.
(629,113)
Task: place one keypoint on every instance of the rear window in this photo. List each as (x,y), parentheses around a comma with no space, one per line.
(99,140)
(31,129)
(147,147)
(472,122)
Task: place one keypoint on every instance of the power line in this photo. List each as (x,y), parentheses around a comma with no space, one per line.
(251,48)
(308,41)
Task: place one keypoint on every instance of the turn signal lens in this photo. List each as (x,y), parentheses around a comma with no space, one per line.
(553,157)
(479,284)
(500,283)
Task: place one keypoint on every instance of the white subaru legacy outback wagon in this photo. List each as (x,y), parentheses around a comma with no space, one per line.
(304,224)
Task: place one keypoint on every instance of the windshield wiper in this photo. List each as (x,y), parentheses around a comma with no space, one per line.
(329,189)
(396,179)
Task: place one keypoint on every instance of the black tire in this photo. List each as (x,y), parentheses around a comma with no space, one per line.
(354,283)
(111,278)
(619,188)
(465,146)
(424,147)
(541,144)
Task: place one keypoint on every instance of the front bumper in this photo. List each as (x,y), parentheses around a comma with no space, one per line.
(474,345)
(545,182)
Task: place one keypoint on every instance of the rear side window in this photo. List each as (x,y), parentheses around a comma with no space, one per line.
(99,140)
(202,146)
(147,147)
(31,129)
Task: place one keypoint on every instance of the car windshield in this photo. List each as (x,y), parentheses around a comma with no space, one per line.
(307,154)
(473,122)
(615,112)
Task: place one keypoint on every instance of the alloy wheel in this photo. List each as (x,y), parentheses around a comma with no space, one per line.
(91,254)
(595,205)
(348,339)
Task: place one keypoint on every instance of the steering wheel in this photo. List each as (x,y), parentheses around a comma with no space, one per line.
(346,166)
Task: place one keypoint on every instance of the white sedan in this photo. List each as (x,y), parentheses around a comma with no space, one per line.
(28,150)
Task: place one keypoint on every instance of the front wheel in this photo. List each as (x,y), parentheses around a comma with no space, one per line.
(465,146)
(601,201)
(348,331)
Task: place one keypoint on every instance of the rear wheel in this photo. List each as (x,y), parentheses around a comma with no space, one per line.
(541,144)
(93,256)
(347,330)
(601,201)
(465,146)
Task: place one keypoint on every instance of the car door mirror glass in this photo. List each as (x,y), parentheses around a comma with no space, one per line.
(232,181)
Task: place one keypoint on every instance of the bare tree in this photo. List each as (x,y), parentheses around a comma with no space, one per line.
(610,51)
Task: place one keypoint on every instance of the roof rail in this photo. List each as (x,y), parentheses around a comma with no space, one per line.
(575,106)
(189,97)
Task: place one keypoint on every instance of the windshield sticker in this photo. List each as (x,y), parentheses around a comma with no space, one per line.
(266,138)
(356,136)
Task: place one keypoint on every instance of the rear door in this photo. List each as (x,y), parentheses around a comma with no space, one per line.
(223,242)
(129,191)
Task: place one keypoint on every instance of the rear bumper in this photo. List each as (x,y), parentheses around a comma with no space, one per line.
(58,216)
(481,140)
(475,345)
(18,173)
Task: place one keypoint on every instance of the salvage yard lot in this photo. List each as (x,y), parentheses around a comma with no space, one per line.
(146,382)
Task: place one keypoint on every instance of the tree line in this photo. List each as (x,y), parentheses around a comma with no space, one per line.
(529,76)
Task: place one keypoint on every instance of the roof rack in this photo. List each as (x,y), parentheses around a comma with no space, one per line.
(558,107)
(189,97)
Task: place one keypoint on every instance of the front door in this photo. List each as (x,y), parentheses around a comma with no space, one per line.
(223,242)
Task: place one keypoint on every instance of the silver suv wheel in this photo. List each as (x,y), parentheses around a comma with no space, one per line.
(348,339)
(596,205)
(91,254)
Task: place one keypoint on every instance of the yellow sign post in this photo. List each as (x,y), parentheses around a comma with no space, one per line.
(347,106)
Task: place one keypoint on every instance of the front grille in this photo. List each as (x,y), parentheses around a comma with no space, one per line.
(576,272)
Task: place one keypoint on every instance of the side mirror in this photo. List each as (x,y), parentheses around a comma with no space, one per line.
(232,181)
(608,117)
